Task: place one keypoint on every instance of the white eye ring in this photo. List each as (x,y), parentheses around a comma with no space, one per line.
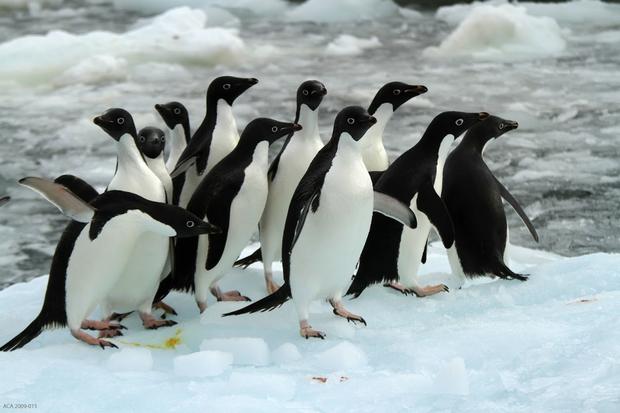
(163,139)
(226,86)
(396,92)
(501,126)
(177,111)
(274,129)
(459,122)
(142,139)
(305,92)
(120,121)
(350,121)
(190,224)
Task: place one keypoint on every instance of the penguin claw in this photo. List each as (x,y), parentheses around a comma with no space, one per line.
(104,344)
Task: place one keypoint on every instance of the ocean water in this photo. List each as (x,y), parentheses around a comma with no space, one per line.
(555,68)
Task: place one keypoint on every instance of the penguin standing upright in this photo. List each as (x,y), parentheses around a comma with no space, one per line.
(151,143)
(136,289)
(284,174)
(233,194)
(473,196)
(92,255)
(392,252)
(176,118)
(216,136)
(327,223)
(387,100)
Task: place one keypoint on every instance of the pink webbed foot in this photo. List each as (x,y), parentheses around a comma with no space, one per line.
(102,325)
(306,331)
(233,295)
(160,305)
(340,311)
(151,323)
(418,291)
(272,287)
(88,339)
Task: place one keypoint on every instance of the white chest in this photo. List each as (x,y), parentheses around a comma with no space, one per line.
(225,134)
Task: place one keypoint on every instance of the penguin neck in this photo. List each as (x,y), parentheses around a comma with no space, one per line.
(374,135)
(309,120)
(132,173)
(128,154)
(178,141)
(348,147)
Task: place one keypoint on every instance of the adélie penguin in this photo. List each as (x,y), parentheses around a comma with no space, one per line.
(93,252)
(231,196)
(216,136)
(136,289)
(393,253)
(473,196)
(388,99)
(176,118)
(285,171)
(151,143)
(327,223)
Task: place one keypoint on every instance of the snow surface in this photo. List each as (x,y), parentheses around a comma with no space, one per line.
(549,344)
(504,32)
(347,45)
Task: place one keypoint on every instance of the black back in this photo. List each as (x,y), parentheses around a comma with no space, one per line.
(411,173)
(213,197)
(309,93)
(353,120)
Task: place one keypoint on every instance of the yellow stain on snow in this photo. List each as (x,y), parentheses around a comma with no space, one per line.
(169,344)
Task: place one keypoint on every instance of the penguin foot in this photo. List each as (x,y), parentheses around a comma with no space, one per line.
(202,306)
(272,287)
(151,323)
(119,316)
(306,331)
(232,296)
(110,333)
(418,291)
(340,311)
(88,339)
(160,305)
(102,325)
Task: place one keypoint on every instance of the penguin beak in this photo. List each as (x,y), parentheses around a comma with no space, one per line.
(372,120)
(297,127)
(416,90)
(207,228)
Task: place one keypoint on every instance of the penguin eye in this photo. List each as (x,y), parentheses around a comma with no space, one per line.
(501,126)
(350,121)
(396,92)
(120,121)
(459,122)
(177,111)
(142,139)
(163,139)
(305,92)
(226,86)
(190,224)
(274,129)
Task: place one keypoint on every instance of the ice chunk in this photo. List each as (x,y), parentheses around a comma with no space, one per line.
(329,11)
(452,378)
(503,32)
(263,7)
(246,350)
(347,45)
(202,364)
(343,356)
(286,353)
(131,359)
(179,35)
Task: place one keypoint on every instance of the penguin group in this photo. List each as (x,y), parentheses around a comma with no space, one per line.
(181,207)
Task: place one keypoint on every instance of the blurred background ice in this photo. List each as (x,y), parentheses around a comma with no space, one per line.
(553,67)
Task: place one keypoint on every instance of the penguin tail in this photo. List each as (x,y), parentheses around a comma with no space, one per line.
(357,287)
(245,262)
(272,301)
(502,271)
(30,333)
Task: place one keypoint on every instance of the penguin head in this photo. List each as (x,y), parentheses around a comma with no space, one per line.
(184,223)
(455,123)
(116,122)
(151,142)
(492,127)
(229,88)
(395,93)
(311,93)
(265,129)
(354,120)
(173,113)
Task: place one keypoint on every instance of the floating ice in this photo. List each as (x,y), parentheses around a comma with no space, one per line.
(503,32)
(329,11)
(263,7)
(178,35)
(343,356)
(347,45)
(246,350)
(202,364)
(131,359)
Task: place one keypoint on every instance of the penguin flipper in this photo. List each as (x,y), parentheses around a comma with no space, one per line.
(218,213)
(273,168)
(395,209)
(245,262)
(375,176)
(4,199)
(517,207)
(425,252)
(435,209)
(61,197)
(78,186)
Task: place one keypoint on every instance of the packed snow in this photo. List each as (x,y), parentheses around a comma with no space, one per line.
(347,45)
(504,32)
(548,344)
